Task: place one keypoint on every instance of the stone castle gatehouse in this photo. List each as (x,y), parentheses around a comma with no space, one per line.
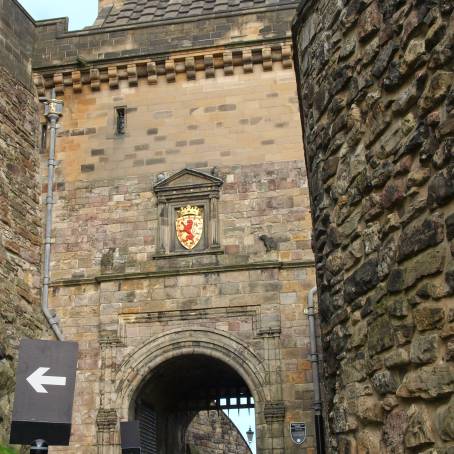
(181,227)
(181,255)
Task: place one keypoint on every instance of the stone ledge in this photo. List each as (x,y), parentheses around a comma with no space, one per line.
(180,272)
(172,255)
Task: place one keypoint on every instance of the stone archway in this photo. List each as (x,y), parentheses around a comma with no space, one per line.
(172,345)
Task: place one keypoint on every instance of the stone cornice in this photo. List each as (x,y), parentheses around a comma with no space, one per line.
(108,75)
(183,271)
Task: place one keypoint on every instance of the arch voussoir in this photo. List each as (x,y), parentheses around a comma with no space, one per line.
(139,365)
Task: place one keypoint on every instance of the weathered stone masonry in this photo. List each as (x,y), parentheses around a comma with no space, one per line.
(20,216)
(377,97)
(210,92)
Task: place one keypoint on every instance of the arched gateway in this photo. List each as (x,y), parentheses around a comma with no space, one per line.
(196,341)
(180,372)
(174,376)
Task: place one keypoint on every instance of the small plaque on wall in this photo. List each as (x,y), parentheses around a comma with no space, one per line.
(298,432)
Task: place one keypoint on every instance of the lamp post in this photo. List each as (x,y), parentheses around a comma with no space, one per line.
(39,447)
(250,435)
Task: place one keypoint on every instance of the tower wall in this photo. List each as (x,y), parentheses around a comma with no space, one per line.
(20,217)
(376,92)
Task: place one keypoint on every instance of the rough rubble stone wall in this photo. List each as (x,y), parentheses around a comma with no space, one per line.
(211,432)
(20,221)
(377,97)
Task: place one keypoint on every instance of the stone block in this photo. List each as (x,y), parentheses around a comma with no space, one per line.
(441,187)
(445,421)
(369,410)
(380,335)
(419,431)
(436,90)
(386,382)
(450,350)
(425,264)
(420,236)
(428,317)
(424,349)
(428,382)
(383,58)
(398,358)
(370,22)
(362,280)
(394,430)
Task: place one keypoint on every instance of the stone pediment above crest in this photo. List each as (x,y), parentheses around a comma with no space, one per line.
(187,179)
(188,196)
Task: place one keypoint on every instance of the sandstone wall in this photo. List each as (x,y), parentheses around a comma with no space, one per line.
(115,296)
(203,124)
(211,432)
(255,296)
(376,86)
(20,222)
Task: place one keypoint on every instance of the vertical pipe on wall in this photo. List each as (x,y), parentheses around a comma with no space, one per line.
(317,403)
(53,111)
(318,416)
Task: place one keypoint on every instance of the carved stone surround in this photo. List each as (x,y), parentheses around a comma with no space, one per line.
(187,187)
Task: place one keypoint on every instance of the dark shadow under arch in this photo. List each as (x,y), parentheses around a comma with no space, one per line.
(175,392)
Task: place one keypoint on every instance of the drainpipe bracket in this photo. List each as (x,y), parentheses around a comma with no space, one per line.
(308,311)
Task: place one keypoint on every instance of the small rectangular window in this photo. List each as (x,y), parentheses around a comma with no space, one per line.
(120,120)
(43,143)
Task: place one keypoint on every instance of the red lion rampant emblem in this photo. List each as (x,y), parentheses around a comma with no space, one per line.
(188,230)
(189,226)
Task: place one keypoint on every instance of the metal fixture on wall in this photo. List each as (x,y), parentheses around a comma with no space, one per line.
(53,109)
(317,405)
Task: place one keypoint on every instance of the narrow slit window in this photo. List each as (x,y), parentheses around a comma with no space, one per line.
(120,118)
(43,138)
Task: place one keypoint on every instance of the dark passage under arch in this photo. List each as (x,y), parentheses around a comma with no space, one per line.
(178,390)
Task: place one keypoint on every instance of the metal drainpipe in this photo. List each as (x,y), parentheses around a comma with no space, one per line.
(53,111)
(317,405)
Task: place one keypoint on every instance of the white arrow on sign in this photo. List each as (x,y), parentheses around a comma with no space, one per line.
(37,379)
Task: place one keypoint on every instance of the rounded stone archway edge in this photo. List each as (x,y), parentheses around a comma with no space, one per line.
(220,345)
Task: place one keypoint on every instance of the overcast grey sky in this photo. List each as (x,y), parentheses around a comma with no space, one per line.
(80,12)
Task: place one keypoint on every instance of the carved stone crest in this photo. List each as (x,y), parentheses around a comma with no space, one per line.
(189,226)
(188,214)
